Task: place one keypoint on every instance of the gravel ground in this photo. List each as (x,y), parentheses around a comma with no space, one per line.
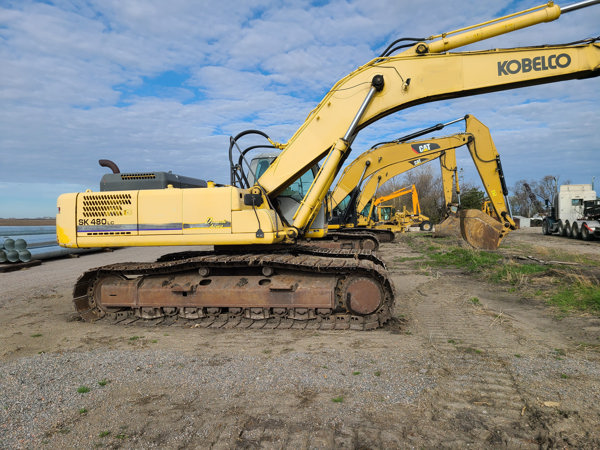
(504,371)
(41,388)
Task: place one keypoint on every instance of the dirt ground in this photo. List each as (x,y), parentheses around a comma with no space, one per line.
(466,363)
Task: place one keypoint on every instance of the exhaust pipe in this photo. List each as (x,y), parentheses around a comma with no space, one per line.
(111,165)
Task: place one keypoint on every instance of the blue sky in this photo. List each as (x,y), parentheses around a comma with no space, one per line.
(156,85)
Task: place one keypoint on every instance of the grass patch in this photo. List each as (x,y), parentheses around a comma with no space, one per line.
(473,350)
(134,338)
(516,274)
(377,373)
(83,389)
(83,411)
(475,301)
(103,382)
(356,373)
(563,286)
(577,296)
(103,434)
(564,376)
(470,260)
(338,399)
(36,335)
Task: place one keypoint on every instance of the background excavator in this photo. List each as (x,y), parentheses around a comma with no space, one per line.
(402,219)
(257,275)
(373,168)
(381,163)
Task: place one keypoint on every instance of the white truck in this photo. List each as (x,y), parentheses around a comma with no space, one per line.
(575,213)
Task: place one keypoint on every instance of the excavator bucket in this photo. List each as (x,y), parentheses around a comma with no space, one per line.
(474,226)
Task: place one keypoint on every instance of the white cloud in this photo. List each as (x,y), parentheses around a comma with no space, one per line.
(77,83)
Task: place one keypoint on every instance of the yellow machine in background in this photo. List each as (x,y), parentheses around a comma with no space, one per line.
(403,219)
(489,209)
(373,168)
(256,273)
(380,164)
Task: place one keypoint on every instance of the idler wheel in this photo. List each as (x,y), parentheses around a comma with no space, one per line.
(361,295)
(369,244)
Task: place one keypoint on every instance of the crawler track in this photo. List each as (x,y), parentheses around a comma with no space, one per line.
(355,279)
(348,240)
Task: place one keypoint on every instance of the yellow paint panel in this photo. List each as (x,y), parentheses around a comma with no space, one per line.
(106,213)
(66,219)
(208,210)
(247,221)
(160,211)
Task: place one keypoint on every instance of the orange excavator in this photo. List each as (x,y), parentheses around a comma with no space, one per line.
(402,219)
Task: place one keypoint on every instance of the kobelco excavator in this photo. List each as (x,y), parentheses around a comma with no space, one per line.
(257,274)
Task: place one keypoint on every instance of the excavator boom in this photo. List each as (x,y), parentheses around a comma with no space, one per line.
(412,80)
(370,170)
(395,158)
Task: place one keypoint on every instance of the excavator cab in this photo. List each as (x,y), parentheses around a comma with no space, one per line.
(291,197)
(386,213)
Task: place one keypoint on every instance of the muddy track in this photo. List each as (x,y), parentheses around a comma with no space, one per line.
(341,266)
(485,399)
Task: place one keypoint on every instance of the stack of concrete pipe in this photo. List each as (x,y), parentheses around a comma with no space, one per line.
(22,244)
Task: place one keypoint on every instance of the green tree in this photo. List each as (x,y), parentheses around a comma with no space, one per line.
(472,198)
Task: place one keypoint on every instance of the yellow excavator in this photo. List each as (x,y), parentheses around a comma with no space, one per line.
(402,219)
(384,161)
(350,200)
(258,275)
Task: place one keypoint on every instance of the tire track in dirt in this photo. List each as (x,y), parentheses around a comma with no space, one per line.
(479,396)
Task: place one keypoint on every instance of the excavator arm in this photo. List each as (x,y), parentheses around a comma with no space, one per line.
(449,172)
(398,193)
(477,228)
(473,227)
(373,168)
(419,75)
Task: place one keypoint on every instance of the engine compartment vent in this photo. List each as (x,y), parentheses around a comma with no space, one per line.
(105,205)
(138,176)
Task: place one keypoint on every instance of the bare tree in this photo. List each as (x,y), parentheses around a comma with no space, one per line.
(544,189)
